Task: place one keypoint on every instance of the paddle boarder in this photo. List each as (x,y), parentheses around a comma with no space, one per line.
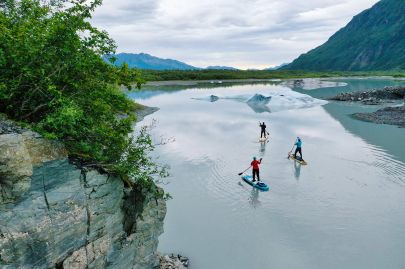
(256,170)
(263,129)
(298,144)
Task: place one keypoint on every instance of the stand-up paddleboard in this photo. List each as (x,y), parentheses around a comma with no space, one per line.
(257,184)
(301,161)
(264,139)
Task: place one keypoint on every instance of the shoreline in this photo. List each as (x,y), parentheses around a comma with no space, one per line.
(210,81)
(387,115)
(393,113)
(373,96)
(143,111)
(254,80)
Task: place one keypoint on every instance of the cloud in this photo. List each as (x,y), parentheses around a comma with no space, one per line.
(245,34)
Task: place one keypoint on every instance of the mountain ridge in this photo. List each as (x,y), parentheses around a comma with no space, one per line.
(372,40)
(147,61)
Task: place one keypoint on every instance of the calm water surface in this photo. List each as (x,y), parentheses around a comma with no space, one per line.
(346,209)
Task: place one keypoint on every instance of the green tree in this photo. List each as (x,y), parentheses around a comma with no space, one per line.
(52,76)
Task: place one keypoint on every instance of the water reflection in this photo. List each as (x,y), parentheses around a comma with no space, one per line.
(262,148)
(347,200)
(254,198)
(297,170)
(259,108)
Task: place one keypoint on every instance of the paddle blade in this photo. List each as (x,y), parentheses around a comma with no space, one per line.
(240,174)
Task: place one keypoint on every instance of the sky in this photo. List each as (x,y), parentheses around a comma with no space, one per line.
(239,33)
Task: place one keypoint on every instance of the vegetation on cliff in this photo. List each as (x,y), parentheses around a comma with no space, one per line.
(53,77)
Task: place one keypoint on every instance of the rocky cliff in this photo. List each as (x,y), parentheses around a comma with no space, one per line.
(55,215)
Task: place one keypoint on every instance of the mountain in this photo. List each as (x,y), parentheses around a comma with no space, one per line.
(216,67)
(146,61)
(373,40)
(276,67)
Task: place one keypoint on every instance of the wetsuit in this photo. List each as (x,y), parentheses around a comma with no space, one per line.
(255,171)
(298,149)
(263,132)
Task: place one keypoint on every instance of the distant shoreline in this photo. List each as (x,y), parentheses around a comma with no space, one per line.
(253,80)
(229,75)
(212,81)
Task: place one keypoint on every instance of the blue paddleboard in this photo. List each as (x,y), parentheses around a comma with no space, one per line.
(257,184)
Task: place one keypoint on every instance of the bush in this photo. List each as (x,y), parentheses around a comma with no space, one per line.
(52,76)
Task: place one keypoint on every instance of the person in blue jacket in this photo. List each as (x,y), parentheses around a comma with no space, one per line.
(298,144)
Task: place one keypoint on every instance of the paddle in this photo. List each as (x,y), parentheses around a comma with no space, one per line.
(244,171)
(288,157)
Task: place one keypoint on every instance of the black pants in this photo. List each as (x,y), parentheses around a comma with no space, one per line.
(256,173)
(296,151)
(263,133)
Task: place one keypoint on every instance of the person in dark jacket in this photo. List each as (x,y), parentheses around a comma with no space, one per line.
(263,130)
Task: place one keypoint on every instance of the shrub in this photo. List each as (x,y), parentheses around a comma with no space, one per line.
(52,76)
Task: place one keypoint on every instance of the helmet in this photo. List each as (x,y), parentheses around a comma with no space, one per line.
(254,158)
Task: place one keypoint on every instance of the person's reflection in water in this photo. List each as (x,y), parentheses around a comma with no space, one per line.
(254,198)
(262,149)
(297,167)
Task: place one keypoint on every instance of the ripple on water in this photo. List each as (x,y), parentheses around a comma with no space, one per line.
(389,165)
(225,186)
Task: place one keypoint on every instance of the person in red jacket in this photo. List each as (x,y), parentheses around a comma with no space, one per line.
(255,171)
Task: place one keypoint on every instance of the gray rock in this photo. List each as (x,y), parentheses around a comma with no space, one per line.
(15,168)
(388,115)
(9,127)
(54,215)
(19,153)
(173,262)
(372,97)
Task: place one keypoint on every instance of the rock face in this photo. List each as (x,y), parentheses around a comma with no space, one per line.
(54,215)
(20,150)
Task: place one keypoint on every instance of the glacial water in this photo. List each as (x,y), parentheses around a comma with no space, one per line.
(345,209)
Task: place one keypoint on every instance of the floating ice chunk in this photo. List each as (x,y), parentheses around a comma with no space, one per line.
(211,98)
(275,101)
(259,99)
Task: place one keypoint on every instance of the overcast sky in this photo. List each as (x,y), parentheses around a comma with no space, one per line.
(239,33)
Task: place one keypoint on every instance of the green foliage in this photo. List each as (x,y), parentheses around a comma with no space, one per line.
(52,76)
(156,75)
